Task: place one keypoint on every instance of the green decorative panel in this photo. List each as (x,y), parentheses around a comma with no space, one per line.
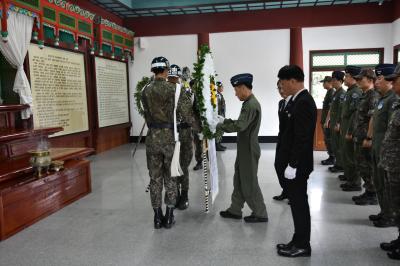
(128,43)
(67,37)
(67,21)
(84,27)
(107,35)
(119,39)
(49,13)
(32,3)
(48,32)
(118,51)
(107,48)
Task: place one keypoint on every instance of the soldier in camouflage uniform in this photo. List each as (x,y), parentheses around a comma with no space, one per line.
(359,130)
(158,100)
(334,118)
(185,119)
(330,91)
(390,161)
(221,111)
(349,108)
(376,133)
(197,129)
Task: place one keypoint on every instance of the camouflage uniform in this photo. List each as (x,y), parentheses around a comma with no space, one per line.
(348,110)
(381,117)
(390,161)
(158,100)
(196,130)
(363,157)
(185,120)
(325,109)
(221,111)
(335,110)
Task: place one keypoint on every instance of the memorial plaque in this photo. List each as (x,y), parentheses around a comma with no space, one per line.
(112,92)
(58,89)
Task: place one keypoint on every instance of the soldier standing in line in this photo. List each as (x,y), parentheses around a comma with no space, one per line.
(334,118)
(349,108)
(185,119)
(359,130)
(330,91)
(390,161)
(158,100)
(221,111)
(378,127)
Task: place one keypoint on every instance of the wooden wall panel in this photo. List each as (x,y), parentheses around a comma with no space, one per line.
(111,137)
(319,144)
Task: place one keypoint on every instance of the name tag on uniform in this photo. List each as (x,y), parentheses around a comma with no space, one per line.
(380,105)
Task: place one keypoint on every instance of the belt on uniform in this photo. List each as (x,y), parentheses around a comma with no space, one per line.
(184,125)
(161,125)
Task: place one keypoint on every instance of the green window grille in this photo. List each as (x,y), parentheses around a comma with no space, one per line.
(119,39)
(106,48)
(49,14)
(48,32)
(67,21)
(323,63)
(129,43)
(118,51)
(84,27)
(67,37)
(107,35)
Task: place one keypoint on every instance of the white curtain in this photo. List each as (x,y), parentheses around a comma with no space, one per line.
(19,38)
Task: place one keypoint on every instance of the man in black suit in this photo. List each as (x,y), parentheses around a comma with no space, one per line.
(283,110)
(294,158)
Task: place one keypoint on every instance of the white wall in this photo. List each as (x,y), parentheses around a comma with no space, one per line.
(261,53)
(346,37)
(180,50)
(396,32)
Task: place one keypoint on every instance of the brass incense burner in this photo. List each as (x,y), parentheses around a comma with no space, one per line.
(40,160)
(57,166)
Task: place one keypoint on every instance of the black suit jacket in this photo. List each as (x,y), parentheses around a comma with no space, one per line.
(297,139)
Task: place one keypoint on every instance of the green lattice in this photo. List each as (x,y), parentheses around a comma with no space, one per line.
(67,21)
(118,39)
(84,27)
(107,35)
(31,3)
(49,13)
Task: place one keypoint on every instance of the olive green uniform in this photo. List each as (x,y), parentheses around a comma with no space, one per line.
(382,113)
(245,180)
(349,108)
(325,109)
(338,98)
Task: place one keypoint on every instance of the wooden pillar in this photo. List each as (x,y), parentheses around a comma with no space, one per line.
(296,47)
(203,38)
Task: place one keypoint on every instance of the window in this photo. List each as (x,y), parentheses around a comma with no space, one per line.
(322,63)
(396,54)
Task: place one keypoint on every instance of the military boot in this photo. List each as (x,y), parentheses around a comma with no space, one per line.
(394,254)
(169,219)
(342,178)
(184,201)
(330,161)
(391,245)
(369,199)
(158,218)
(354,198)
(198,166)
(385,222)
(375,217)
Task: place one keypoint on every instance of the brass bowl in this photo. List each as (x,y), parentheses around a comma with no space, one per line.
(57,165)
(39,153)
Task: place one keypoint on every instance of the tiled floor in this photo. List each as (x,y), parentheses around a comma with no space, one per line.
(113,225)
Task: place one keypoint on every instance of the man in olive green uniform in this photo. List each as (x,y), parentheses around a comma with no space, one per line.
(330,91)
(334,118)
(349,108)
(359,130)
(380,121)
(245,181)
(221,111)
(158,100)
(184,113)
(390,161)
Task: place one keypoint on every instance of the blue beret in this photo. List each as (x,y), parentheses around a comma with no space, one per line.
(339,75)
(240,79)
(352,70)
(384,69)
(394,75)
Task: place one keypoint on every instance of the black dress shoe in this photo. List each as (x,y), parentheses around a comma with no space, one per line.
(375,217)
(284,246)
(336,169)
(158,218)
(329,161)
(198,166)
(254,219)
(169,218)
(280,197)
(394,254)
(354,198)
(368,199)
(294,252)
(227,214)
(384,223)
(392,245)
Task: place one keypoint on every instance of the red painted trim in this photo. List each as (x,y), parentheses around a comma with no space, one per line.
(262,20)
(98,10)
(296,47)
(203,38)
(396,10)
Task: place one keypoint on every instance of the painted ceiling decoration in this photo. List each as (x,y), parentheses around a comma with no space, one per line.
(151,8)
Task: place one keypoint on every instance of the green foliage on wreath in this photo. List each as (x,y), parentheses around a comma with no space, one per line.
(138,94)
(198,89)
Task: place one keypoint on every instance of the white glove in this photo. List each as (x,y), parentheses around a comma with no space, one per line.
(200,136)
(290,172)
(221,119)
